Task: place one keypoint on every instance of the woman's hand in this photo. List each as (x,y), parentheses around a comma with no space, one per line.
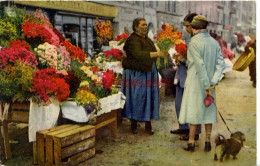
(208,91)
(160,54)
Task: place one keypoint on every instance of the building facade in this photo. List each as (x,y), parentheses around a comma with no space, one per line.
(76,19)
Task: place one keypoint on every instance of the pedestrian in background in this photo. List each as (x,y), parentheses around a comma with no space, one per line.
(142,100)
(205,67)
(179,81)
(252,65)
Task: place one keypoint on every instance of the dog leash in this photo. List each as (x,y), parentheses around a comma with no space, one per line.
(222,118)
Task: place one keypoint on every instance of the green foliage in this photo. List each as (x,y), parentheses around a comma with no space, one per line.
(10,27)
(16,82)
(76,65)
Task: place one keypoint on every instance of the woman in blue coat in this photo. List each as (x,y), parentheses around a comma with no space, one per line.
(205,67)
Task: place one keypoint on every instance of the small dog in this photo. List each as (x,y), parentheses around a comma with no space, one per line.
(230,146)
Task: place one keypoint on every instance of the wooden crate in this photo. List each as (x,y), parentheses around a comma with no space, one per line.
(65,145)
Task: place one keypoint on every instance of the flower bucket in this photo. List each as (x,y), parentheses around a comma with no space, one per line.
(70,110)
(42,117)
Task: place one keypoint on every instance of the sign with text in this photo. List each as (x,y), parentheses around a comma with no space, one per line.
(74,6)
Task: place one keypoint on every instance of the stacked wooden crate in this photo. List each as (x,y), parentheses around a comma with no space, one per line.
(65,145)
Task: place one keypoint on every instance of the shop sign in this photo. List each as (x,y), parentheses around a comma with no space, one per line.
(75,6)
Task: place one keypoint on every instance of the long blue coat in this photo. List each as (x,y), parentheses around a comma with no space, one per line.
(205,66)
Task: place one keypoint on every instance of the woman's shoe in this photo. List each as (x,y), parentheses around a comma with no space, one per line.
(190,147)
(207,147)
(180,131)
(134,126)
(148,128)
(186,137)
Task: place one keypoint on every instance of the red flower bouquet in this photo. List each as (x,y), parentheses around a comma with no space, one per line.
(108,79)
(120,37)
(20,43)
(75,52)
(45,33)
(115,53)
(46,82)
(10,55)
(181,48)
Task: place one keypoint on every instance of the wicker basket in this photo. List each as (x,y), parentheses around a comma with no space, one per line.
(244,60)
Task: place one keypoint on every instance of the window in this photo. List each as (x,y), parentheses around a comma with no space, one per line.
(174,7)
(169,6)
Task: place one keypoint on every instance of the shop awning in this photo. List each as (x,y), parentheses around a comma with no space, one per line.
(74,6)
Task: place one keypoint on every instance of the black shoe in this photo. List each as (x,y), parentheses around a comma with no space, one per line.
(186,137)
(180,131)
(148,128)
(190,147)
(134,126)
(207,147)
(197,136)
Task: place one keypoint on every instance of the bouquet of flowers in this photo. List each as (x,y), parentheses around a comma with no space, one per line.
(104,31)
(164,40)
(53,56)
(86,98)
(181,49)
(8,56)
(113,55)
(16,82)
(121,38)
(47,82)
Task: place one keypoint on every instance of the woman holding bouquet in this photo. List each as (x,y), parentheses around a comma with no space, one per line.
(205,67)
(140,77)
(179,81)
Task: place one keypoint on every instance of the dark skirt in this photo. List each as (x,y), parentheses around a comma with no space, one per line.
(142,94)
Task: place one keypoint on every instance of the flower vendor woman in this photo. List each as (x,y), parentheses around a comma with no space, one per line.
(140,77)
(205,67)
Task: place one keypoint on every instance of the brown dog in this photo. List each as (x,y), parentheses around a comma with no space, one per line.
(230,146)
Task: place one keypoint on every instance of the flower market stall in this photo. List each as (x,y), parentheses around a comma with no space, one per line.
(39,67)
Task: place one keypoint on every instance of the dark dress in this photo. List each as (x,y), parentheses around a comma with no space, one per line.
(140,80)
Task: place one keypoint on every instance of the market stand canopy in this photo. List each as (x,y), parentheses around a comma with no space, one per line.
(74,6)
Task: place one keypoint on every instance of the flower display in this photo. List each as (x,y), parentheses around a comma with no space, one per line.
(53,56)
(20,43)
(165,39)
(47,82)
(114,55)
(120,37)
(10,55)
(75,52)
(73,80)
(85,96)
(7,32)
(90,74)
(44,33)
(104,31)
(108,79)
(16,81)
